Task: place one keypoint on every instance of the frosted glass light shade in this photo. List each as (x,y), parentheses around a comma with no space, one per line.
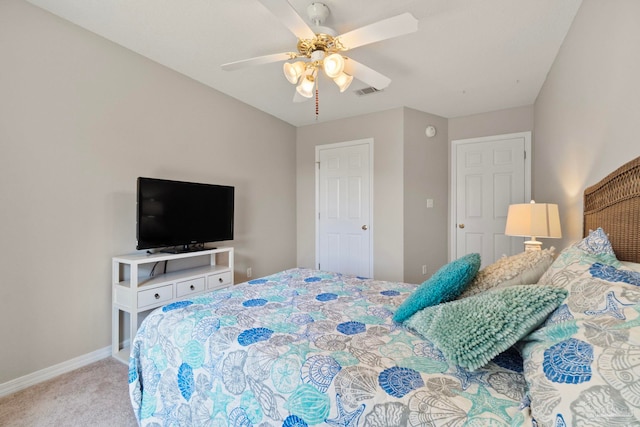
(533,220)
(305,88)
(343,81)
(333,65)
(293,71)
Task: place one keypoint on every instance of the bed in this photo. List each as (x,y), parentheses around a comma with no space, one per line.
(305,347)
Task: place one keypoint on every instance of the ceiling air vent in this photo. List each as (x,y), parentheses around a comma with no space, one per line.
(367,91)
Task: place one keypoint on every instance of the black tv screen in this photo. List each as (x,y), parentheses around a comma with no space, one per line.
(186,214)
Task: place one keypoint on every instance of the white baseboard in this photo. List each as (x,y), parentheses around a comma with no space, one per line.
(53,371)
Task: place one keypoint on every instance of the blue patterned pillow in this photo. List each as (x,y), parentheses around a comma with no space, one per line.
(581,365)
(445,285)
(578,258)
(596,243)
(612,274)
(472,331)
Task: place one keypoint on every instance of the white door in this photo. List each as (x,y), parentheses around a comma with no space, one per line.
(489,174)
(344,240)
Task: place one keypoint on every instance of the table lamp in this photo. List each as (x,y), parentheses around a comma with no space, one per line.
(533,220)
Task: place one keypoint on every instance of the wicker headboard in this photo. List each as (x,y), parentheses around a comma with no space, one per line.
(614,205)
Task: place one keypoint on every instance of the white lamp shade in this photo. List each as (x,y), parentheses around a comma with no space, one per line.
(343,81)
(533,219)
(293,71)
(305,88)
(333,65)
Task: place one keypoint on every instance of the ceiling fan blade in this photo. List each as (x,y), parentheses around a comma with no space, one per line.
(289,18)
(258,60)
(386,29)
(366,74)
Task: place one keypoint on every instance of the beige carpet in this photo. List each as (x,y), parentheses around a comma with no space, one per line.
(95,395)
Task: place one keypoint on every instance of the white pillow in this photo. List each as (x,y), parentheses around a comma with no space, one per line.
(524,268)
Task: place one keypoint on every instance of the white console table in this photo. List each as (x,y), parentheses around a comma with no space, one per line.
(140,284)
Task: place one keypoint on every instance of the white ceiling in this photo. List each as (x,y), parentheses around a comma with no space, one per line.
(468,56)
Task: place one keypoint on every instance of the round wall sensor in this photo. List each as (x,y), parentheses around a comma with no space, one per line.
(430,131)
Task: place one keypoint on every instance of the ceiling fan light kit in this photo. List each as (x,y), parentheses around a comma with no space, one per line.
(305,88)
(298,72)
(321,49)
(343,81)
(333,65)
(293,71)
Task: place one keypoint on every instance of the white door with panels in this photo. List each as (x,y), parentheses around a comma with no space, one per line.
(343,207)
(488,174)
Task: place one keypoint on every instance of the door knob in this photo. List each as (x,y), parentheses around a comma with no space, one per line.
(461,225)
(364,227)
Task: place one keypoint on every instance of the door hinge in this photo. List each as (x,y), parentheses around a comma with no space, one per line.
(525,155)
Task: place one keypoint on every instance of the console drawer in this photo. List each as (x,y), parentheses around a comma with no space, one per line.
(219,280)
(155,296)
(189,287)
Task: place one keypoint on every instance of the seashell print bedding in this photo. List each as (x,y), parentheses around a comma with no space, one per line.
(582,366)
(303,348)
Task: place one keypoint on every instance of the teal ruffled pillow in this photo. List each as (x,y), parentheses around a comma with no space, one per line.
(445,285)
(472,331)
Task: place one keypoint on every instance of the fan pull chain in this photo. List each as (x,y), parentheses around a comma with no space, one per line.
(317,102)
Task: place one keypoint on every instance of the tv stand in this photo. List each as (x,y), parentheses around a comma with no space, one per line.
(185,249)
(136,290)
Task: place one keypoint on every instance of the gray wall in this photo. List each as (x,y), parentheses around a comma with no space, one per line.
(80,119)
(512,120)
(587,112)
(426,173)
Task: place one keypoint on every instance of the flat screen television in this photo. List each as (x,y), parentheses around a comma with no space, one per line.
(182,215)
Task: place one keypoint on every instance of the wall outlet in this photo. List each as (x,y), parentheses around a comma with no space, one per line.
(249,272)
(424,269)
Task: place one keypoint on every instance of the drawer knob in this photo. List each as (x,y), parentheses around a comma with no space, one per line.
(157,296)
(193,288)
(220,279)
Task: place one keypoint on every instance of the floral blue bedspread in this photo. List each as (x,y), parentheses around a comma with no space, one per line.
(303,348)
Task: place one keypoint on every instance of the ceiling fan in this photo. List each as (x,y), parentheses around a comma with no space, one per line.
(320,48)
